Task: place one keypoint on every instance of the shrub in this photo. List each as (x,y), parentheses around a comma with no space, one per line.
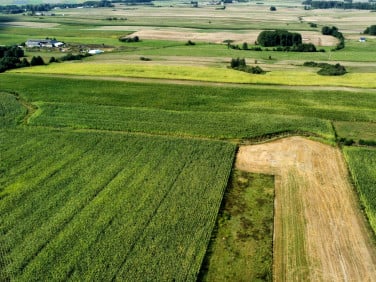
(241,65)
(371,30)
(336,69)
(37,61)
(129,39)
(71,57)
(327,69)
(52,60)
(367,142)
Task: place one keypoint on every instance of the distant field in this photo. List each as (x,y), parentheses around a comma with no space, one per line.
(107,206)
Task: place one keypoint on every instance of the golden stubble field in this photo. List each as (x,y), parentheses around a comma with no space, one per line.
(319,232)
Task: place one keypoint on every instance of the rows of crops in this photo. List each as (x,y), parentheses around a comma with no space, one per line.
(362,164)
(107,206)
(182,123)
(325,104)
(11,110)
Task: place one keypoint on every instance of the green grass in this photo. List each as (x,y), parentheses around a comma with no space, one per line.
(107,206)
(362,164)
(243,244)
(356,130)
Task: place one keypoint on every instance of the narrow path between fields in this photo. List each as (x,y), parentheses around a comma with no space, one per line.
(320,233)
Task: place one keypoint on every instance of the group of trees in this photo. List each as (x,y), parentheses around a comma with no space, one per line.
(241,65)
(371,30)
(333,31)
(10,58)
(327,69)
(284,41)
(270,38)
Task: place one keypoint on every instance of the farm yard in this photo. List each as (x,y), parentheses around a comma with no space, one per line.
(156,160)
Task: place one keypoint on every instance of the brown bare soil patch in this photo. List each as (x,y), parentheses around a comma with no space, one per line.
(320,234)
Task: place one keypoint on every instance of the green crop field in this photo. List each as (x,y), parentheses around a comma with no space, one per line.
(107,206)
(11,110)
(362,164)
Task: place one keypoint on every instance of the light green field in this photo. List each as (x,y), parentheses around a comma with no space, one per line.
(294,78)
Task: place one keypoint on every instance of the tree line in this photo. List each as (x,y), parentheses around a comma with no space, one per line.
(371,30)
(333,31)
(10,58)
(19,9)
(284,41)
(340,5)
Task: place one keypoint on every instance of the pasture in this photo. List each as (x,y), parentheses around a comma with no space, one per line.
(124,164)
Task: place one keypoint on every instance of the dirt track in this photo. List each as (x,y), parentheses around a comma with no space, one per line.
(320,234)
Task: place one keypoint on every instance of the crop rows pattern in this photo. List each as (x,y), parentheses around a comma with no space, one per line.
(107,206)
(362,164)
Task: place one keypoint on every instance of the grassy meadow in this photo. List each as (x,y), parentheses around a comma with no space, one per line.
(115,168)
(245,231)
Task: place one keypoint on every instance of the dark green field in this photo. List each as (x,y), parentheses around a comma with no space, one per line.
(107,206)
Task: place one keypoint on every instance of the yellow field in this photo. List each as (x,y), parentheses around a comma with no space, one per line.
(198,73)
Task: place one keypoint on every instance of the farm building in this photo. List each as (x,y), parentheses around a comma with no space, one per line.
(49,43)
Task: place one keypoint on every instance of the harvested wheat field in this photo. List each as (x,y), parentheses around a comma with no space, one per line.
(319,232)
